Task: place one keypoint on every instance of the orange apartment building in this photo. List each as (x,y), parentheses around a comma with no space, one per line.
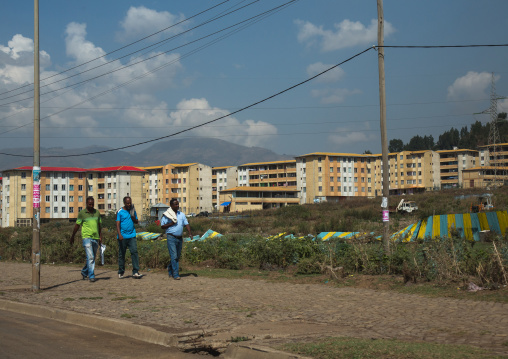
(324,176)
(452,165)
(190,183)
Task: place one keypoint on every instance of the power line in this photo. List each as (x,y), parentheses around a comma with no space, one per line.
(147,59)
(252,20)
(121,48)
(214,120)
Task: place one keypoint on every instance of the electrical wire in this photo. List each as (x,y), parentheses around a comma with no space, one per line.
(211,121)
(123,47)
(249,22)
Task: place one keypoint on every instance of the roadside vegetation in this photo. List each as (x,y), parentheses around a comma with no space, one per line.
(243,248)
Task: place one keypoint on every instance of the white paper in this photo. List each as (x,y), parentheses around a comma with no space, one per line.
(103,248)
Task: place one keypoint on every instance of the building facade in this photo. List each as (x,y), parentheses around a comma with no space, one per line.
(63,192)
(223,178)
(452,165)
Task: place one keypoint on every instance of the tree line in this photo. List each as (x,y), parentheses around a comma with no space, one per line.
(477,135)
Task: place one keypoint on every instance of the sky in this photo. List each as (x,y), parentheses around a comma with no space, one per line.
(119,73)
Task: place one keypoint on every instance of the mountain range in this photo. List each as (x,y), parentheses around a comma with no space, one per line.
(211,152)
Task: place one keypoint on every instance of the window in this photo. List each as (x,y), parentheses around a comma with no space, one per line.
(23,209)
(55,209)
(47,198)
(71,187)
(319,169)
(71,198)
(80,198)
(71,175)
(23,198)
(80,209)
(23,174)
(48,187)
(47,209)
(90,176)
(63,187)
(71,209)
(55,187)
(80,176)
(55,198)
(331,169)
(63,198)
(331,179)
(90,188)
(331,188)
(320,189)
(23,187)
(63,209)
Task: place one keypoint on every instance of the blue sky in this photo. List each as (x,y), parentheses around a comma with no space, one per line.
(428,91)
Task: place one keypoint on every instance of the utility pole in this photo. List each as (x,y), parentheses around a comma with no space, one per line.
(36,172)
(384,141)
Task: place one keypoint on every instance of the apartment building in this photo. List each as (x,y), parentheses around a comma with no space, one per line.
(453,163)
(190,183)
(223,178)
(268,174)
(490,157)
(324,176)
(63,192)
(410,172)
(255,198)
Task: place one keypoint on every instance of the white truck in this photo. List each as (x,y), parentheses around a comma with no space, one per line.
(406,206)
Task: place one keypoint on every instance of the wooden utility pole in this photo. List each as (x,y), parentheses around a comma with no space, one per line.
(36,244)
(384,141)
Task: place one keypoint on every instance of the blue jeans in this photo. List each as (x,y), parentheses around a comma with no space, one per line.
(90,246)
(175,251)
(122,249)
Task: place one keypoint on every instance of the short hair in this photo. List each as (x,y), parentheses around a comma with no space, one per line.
(173,200)
(125,199)
(90,198)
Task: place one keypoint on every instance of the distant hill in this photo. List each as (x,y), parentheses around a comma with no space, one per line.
(211,152)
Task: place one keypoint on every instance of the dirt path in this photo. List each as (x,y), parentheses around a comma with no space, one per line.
(267,313)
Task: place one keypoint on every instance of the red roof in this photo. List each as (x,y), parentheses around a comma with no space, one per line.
(52,169)
(117,168)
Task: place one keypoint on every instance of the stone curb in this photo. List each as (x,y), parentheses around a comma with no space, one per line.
(140,332)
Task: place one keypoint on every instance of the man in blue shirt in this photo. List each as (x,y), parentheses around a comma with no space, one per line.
(125,219)
(174,233)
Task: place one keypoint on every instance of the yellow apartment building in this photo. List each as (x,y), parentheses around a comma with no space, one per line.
(453,163)
(255,198)
(410,172)
(324,176)
(190,183)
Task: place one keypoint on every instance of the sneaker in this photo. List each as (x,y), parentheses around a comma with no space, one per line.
(84,276)
(176,278)
(120,276)
(137,275)
(92,280)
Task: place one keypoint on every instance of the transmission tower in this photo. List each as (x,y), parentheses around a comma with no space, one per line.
(493,133)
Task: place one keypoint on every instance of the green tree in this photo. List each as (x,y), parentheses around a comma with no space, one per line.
(396,145)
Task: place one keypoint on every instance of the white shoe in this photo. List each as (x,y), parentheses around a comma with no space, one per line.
(137,275)
(120,276)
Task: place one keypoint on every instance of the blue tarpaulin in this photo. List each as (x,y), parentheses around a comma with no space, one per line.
(225,204)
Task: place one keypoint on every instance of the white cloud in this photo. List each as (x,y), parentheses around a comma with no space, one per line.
(195,111)
(330,95)
(331,76)
(77,46)
(346,136)
(141,21)
(347,34)
(471,86)
(502,106)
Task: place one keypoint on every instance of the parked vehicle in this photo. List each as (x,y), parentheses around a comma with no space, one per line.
(405,207)
(192,214)
(484,203)
(203,214)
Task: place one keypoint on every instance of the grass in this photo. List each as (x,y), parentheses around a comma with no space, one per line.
(127,315)
(90,298)
(337,348)
(122,298)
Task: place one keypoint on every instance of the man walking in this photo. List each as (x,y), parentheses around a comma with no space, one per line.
(125,219)
(90,221)
(174,231)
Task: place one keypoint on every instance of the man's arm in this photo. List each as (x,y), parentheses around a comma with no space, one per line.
(99,227)
(120,237)
(76,227)
(188,230)
(135,218)
(168,224)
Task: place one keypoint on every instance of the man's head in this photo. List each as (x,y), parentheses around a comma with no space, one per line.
(175,206)
(89,203)
(127,202)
